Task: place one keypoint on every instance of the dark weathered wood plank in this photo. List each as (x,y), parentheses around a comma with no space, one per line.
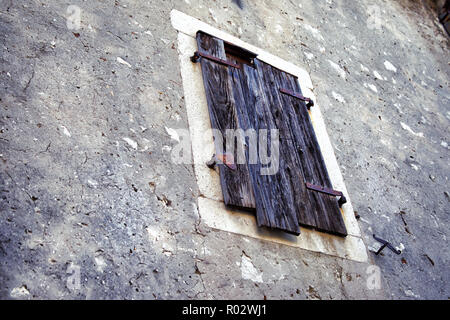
(236,184)
(274,193)
(290,132)
(325,209)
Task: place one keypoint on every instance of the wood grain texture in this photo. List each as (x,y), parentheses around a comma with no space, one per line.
(274,194)
(290,152)
(236,184)
(323,208)
(249,97)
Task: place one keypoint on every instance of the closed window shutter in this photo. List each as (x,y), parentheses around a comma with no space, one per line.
(236,183)
(250,97)
(315,209)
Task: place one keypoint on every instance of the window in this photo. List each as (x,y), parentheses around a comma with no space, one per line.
(245,93)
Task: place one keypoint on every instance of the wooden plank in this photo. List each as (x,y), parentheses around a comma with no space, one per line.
(275,193)
(325,209)
(236,184)
(288,125)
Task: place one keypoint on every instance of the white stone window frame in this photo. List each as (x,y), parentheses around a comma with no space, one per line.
(210,204)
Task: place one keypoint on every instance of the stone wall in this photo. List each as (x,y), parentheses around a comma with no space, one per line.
(87,181)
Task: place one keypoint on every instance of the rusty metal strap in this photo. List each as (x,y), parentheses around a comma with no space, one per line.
(197,55)
(328,191)
(310,102)
(321,189)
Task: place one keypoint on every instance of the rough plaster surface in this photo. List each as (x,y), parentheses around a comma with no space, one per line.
(86,172)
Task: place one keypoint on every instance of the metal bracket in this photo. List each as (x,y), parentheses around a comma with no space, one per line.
(310,102)
(328,191)
(385,244)
(227,159)
(212,163)
(198,55)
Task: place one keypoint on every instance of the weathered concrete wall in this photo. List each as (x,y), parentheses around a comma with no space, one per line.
(87,177)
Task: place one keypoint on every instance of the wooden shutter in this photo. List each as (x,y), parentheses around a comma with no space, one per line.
(236,184)
(249,97)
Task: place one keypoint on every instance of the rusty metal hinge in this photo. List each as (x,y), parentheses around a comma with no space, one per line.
(328,191)
(197,55)
(310,102)
(227,159)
